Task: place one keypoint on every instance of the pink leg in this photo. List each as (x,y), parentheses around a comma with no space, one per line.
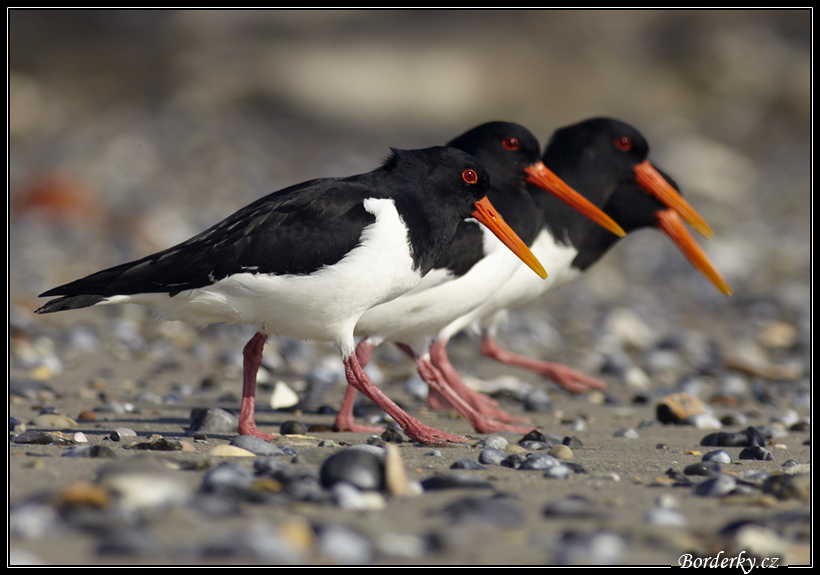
(344,419)
(252,355)
(482,403)
(480,422)
(414,429)
(568,378)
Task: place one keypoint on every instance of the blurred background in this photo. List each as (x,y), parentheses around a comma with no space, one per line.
(132,130)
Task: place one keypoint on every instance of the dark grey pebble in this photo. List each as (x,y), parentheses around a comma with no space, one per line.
(679,477)
(32,437)
(538,401)
(717,486)
(790,463)
(572,506)
(226,477)
(292,427)
(495,510)
(392,435)
(572,441)
(355,466)
(538,461)
(748,437)
(258,446)
(514,461)
(704,468)
(756,452)
(718,456)
(491,456)
(534,435)
(457,480)
(121,432)
(89,451)
(157,444)
(212,420)
(467,464)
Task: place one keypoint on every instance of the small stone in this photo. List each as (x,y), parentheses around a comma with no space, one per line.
(557,472)
(705,468)
(496,442)
(718,456)
(83,494)
(627,433)
(223,450)
(538,461)
(789,486)
(491,456)
(283,397)
(292,427)
(497,511)
(121,432)
(756,452)
(257,446)
(212,420)
(360,468)
(89,451)
(459,480)
(395,474)
(561,452)
(678,407)
(716,486)
(54,421)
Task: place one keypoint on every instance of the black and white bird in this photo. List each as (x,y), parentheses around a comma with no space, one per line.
(307,261)
(607,161)
(474,268)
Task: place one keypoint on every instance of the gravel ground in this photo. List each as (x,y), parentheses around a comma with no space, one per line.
(129,131)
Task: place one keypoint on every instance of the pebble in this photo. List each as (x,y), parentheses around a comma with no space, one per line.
(344,546)
(627,433)
(718,456)
(466,464)
(348,496)
(495,442)
(538,461)
(89,451)
(141,482)
(559,471)
(33,437)
(223,450)
(494,510)
(571,506)
(561,452)
(756,452)
(121,432)
(54,421)
(283,397)
(491,456)
(457,480)
(292,427)
(716,486)
(212,420)
(355,466)
(258,446)
(704,468)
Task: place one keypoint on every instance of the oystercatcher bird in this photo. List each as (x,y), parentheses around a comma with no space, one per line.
(473,269)
(607,161)
(307,261)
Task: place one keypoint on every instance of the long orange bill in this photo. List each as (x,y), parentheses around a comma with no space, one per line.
(654,183)
(540,175)
(671,224)
(487,215)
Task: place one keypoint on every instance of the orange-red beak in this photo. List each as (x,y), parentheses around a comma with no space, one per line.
(670,223)
(655,184)
(487,215)
(540,175)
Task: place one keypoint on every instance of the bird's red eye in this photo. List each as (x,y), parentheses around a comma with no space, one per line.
(624,143)
(470,176)
(511,144)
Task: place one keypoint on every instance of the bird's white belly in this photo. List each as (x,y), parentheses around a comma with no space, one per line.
(420,313)
(321,306)
(524,286)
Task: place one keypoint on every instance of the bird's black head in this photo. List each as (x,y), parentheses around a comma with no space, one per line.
(504,148)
